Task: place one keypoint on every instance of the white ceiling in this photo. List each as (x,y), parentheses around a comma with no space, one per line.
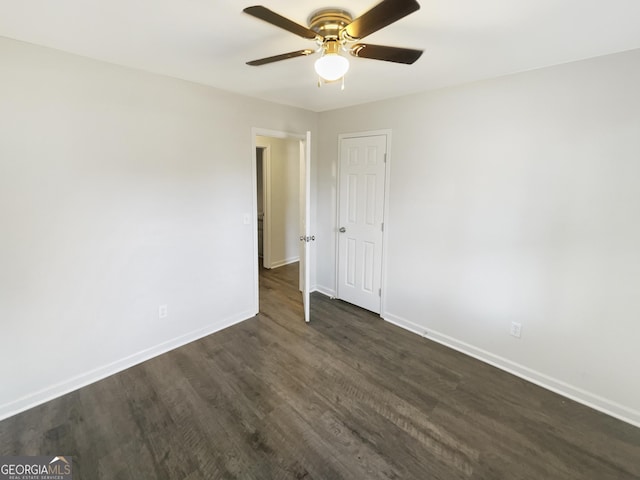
(209,41)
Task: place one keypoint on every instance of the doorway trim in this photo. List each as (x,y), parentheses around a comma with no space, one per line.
(385,233)
(263,132)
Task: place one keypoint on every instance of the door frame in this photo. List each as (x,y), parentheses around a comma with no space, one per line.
(263,132)
(385,232)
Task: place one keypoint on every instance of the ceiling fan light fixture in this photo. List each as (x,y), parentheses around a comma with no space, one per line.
(331,67)
(335,30)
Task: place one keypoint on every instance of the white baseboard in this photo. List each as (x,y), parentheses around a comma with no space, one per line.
(324,290)
(286,261)
(49,393)
(584,397)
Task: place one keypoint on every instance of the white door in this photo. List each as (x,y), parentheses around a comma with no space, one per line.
(305,231)
(360,219)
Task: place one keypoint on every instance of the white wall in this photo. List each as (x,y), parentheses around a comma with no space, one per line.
(514,199)
(284,199)
(119,191)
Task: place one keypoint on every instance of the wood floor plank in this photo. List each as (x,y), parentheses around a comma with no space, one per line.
(347,396)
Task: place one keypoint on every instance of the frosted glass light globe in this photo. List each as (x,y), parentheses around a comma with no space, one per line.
(331,66)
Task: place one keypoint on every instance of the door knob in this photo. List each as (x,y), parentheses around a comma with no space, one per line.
(342,230)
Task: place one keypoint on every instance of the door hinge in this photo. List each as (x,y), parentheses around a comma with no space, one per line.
(382,226)
(385,158)
(379,292)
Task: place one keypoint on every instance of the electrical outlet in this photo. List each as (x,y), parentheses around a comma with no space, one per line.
(162,311)
(516,329)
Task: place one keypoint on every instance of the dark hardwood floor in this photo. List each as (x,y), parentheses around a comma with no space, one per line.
(345,397)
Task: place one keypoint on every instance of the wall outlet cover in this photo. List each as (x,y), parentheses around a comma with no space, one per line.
(516,329)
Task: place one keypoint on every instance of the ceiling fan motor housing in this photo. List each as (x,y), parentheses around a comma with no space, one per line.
(328,22)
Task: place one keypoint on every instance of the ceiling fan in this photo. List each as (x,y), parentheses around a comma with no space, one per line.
(335,31)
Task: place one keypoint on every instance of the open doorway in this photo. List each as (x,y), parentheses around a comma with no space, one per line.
(281,206)
(260,181)
(278,200)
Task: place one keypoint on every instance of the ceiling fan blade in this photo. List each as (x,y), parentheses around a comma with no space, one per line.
(388,54)
(273,18)
(383,14)
(277,58)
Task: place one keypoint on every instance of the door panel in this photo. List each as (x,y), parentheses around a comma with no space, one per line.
(352,199)
(368,282)
(361,212)
(370,203)
(351,262)
(305,236)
